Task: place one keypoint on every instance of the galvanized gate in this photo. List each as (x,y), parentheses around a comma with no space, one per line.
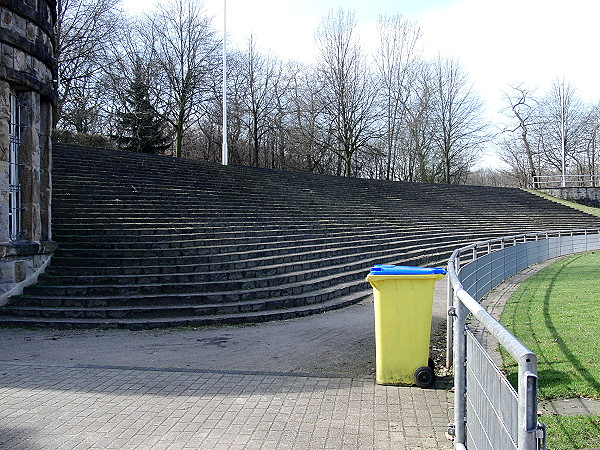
(488,412)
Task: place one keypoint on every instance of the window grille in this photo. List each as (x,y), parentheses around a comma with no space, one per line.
(14,187)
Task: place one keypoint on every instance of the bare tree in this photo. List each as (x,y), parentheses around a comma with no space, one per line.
(307,111)
(491,177)
(85,30)
(396,58)
(591,133)
(420,127)
(511,153)
(558,134)
(458,114)
(348,93)
(186,51)
(561,120)
(522,105)
(281,144)
(264,77)
(237,91)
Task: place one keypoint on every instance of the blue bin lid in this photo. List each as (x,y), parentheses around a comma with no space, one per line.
(405,270)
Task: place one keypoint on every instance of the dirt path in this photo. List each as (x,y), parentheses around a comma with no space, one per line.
(338,342)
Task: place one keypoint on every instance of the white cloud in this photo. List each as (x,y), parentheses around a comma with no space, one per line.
(497,42)
(516,41)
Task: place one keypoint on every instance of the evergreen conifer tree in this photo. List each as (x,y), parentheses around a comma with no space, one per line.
(141,128)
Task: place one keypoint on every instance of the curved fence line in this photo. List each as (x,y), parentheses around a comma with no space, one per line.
(573,180)
(488,411)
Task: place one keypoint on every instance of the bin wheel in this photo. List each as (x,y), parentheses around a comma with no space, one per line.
(424,377)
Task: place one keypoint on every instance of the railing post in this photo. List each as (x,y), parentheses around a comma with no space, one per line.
(559,244)
(460,372)
(527,402)
(514,262)
(449,323)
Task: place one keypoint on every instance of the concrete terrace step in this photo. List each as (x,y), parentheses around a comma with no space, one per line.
(236,262)
(147,241)
(249,227)
(212,287)
(176,229)
(254,250)
(237,212)
(212,252)
(245,316)
(290,244)
(272,216)
(158,301)
(208,272)
(226,238)
(185,299)
(225,290)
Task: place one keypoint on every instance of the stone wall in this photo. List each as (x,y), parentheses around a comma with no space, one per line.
(585,195)
(27,74)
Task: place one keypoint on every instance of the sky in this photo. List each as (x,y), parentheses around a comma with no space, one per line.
(497,42)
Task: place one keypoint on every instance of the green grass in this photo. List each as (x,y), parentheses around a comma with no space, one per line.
(556,314)
(587,209)
(569,432)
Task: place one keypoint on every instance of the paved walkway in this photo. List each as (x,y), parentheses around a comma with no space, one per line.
(305,383)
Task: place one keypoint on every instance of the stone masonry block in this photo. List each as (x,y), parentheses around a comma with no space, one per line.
(4,119)
(6,55)
(7,271)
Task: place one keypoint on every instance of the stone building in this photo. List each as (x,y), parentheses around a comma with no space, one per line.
(27,98)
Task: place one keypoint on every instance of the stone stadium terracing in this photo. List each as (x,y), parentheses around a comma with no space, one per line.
(149,241)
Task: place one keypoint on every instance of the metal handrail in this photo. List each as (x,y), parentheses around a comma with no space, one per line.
(582,175)
(489,245)
(573,180)
(527,361)
(461,304)
(559,177)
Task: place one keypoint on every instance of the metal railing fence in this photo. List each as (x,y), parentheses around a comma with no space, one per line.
(488,412)
(554,181)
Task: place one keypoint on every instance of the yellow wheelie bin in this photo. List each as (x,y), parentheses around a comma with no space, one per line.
(403,306)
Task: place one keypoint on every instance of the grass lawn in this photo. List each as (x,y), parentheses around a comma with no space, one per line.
(571,432)
(588,209)
(556,314)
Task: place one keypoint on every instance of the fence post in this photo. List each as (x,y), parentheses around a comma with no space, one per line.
(449,323)
(460,372)
(560,253)
(527,401)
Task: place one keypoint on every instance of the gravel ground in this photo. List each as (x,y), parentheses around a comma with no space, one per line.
(338,342)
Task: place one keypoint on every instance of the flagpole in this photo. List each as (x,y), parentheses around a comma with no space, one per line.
(224,153)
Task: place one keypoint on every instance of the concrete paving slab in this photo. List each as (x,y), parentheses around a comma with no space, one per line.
(303,383)
(570,406)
